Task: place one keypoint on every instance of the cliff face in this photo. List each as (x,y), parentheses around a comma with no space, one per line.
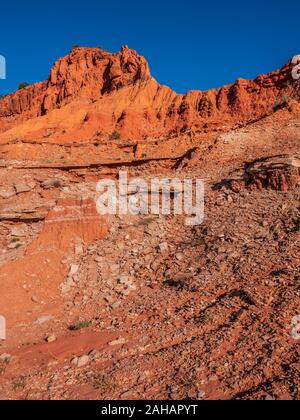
(118,92)
(85,72)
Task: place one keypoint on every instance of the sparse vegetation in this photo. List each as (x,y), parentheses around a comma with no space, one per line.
(23,85)
(282,102)
(57,183)
(116,135)
(80,325)
(101,383)
(19,383)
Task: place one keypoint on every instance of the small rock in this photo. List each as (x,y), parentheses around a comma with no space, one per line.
(200,395)
(18,231)
(7,194)
(43,319)
(83,361)
(65,288)
(115,305)
(114,268)
(52,363)
(99,259)
(144,376)
(120,246)
(120,341)
(51,338)
(79,249)
(154,265)
(73,269)
(14,245)
(22,188)
(74,361)
(229,199)
(109,299)
(124,280)
(126,395)
(163,247)
(70,282)
(119,288)
(179,256)
(126,292)
(94,355)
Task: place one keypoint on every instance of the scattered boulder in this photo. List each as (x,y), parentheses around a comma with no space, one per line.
(50,338)
(94,355)
(7,193)
(163,247)
(119,342)
(73,269)
(281,173)
(19,231)
(23,188)
(43,319)
(179,256)
(83,361)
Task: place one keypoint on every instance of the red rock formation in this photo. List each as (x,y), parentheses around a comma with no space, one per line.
(140,106)
(281,173)
(85,72)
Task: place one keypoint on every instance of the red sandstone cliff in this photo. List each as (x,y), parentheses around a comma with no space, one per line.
(117,92)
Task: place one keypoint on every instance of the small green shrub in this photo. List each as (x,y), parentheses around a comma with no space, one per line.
(80,325)
(23,85)
(57,183)
(281,102)
(116,135)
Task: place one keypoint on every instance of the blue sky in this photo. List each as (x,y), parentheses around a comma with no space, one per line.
(189,44)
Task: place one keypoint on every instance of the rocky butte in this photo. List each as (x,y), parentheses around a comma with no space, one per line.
(117,92)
